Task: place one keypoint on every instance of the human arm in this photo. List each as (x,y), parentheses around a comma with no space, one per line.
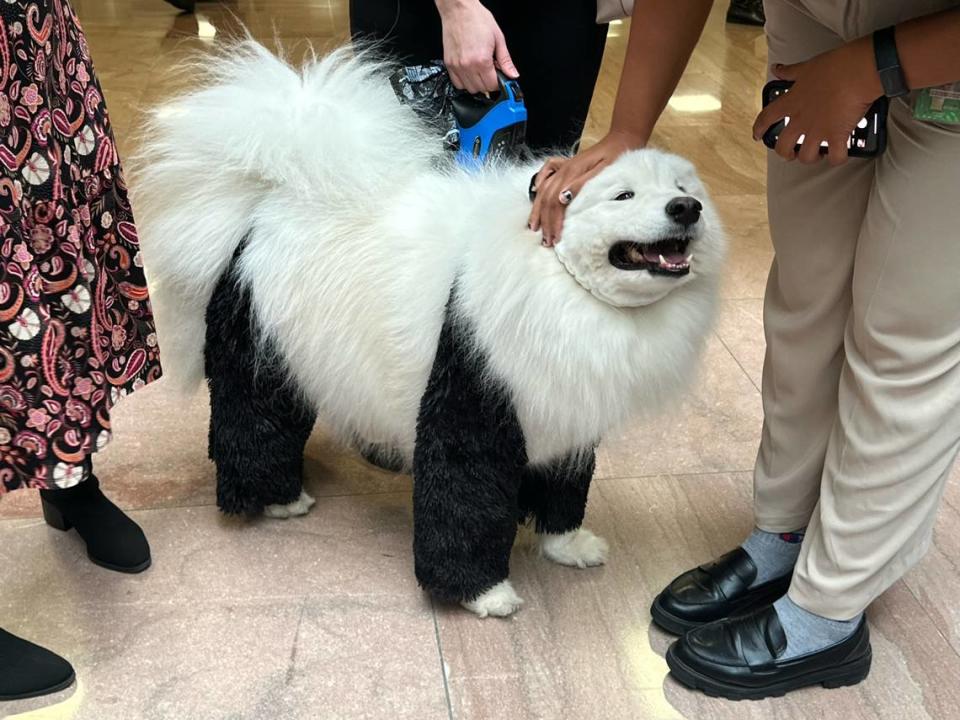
(663,34)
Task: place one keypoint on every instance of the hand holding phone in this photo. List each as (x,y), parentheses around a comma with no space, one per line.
(867,140)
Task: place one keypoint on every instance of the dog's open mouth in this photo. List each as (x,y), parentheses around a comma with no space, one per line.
(665,257)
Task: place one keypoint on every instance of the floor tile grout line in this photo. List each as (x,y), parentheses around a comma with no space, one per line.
(735,359)
(933,621)
(443,663)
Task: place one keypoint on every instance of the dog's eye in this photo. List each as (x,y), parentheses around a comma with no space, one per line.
(625,195)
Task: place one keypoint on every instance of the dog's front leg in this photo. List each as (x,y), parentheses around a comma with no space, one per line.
(467,470)
(555,497)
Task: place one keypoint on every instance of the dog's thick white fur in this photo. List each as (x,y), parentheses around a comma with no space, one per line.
(357,238)
(356,229)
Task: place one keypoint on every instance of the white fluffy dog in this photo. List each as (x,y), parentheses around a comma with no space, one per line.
(312,250)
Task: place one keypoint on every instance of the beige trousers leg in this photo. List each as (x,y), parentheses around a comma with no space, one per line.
(861,385)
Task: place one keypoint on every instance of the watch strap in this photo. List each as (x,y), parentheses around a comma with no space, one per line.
(888,62)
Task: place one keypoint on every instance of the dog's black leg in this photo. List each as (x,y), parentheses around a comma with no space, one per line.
(467,468)
(259,424)
(554,496)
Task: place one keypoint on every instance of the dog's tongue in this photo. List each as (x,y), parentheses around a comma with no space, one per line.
(652,253)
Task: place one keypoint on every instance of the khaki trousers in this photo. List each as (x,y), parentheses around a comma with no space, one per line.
(861,382)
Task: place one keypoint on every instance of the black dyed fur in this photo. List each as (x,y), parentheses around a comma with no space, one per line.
(472,485)
(259,423)
(554,497)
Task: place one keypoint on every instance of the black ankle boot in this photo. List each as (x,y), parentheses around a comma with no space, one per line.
(113,540)
(28,670)
(746,12)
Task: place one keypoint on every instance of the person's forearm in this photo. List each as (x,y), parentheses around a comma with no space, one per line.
(929,49)
(663,34)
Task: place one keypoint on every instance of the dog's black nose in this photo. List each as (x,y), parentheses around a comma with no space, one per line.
(684,209)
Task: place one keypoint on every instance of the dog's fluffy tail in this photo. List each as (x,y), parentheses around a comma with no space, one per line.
(331,130)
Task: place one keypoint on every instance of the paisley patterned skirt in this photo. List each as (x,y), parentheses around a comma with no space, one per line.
(76,328)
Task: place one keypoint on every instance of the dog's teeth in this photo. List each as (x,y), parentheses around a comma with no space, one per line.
(689,258)
(663,260)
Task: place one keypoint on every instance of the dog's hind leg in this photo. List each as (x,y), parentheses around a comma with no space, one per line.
(555,497)
(467,465)
(259,424)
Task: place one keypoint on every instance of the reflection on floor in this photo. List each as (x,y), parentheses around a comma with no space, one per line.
(320,617)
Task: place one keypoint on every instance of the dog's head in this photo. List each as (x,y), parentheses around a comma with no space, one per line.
(641,228)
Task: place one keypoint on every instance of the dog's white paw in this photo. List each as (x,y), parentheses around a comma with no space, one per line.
(577,548)
(300,506)
(499,601)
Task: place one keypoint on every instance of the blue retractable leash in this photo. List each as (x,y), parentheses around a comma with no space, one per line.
(490,127)
(478,128)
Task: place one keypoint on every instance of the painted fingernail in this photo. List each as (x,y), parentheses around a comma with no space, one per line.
(565,197)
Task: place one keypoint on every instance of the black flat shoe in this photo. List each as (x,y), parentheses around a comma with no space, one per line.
(746,12)
(714,591)
(737,659)
(28,670)
(114,541)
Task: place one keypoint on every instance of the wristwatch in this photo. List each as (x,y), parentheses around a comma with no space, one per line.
(888,63)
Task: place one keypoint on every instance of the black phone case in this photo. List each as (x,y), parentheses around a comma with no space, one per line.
(878,111)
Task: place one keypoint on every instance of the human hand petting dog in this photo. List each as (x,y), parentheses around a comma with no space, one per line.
(473,46)
(560,179)
(831,94)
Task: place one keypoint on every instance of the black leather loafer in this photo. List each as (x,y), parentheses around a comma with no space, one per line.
(737,659)
(714,591)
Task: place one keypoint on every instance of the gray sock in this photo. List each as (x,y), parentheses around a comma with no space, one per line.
(806,632)
(774,554)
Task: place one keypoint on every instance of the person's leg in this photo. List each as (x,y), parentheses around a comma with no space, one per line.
(408,30)
(557,85)
(898,430)
(557,48)
(815,215)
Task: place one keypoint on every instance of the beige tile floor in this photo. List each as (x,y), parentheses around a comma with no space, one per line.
(320,617)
